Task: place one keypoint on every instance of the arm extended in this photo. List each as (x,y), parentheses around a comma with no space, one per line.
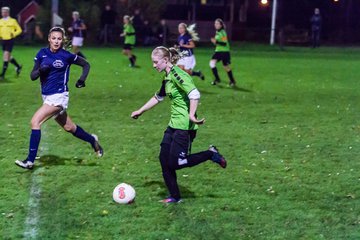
(147,106)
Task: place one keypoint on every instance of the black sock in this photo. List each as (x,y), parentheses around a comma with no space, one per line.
(216,75)
(132,60)
(231,77)
(196,73)
(81,55)
(13,61)
(5,66)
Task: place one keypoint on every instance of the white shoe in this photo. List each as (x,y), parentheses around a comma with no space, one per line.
(25,164)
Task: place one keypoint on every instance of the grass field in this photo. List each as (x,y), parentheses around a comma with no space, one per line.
(290,132)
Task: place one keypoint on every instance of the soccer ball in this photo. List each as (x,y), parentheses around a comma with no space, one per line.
(124,193)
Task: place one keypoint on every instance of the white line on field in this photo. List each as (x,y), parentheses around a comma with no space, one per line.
(32,219)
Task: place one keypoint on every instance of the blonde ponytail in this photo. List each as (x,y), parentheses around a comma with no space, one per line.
(191,30)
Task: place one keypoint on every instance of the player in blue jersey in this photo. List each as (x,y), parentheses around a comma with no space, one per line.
(186,45)
(77,28)
(52,65)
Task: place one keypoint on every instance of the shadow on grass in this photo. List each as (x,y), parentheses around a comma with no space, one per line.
(235,88)
(53,160)
(5,81)
(185,192)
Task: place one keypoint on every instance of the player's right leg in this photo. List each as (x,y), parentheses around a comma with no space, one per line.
(169,174)
(214,71)
(6,58)
(230,75)
(42,114)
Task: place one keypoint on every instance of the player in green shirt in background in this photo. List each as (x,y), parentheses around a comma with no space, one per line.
(181,131)
(222,53)
(129,41)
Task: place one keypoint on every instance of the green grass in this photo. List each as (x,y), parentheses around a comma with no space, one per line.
(290,132)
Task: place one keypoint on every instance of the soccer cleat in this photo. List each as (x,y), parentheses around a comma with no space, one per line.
(216,81)
(97,148)
(18,70)
(217,157)
(170,200)
(232,84)
(202,77)
(25,164)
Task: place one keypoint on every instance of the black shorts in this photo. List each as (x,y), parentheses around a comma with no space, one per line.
(128,46)
(222,56)
(7,45)
(179,140)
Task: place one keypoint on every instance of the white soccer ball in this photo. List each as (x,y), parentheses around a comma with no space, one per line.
(124,193)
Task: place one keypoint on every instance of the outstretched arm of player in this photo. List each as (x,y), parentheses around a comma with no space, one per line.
(85,71)
(194,97)
(147,106)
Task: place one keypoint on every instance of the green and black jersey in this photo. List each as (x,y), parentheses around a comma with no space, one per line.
(222,42)
(129,31)
(177,85)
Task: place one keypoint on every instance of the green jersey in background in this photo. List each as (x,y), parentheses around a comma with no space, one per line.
(129,31)
(222,42)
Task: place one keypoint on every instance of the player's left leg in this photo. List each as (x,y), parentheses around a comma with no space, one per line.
(180,148)
(16,64)
(226,63)
(132,58)
(65,122)
(230,75)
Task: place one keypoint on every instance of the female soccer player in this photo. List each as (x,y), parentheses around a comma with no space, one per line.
(77,28)
(185,41)
(129,42)
(222,52)
(179,135)
(52,66)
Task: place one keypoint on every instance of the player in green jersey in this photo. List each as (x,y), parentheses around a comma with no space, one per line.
(222,52)
(129,41)
(181,131)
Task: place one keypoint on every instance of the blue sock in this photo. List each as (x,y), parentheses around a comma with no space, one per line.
(80,133)
(34,144)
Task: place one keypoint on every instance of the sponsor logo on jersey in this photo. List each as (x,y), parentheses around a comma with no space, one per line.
(58,64)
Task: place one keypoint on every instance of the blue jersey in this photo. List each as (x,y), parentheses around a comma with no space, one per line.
(75,25)
(58,77)
(185,39)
